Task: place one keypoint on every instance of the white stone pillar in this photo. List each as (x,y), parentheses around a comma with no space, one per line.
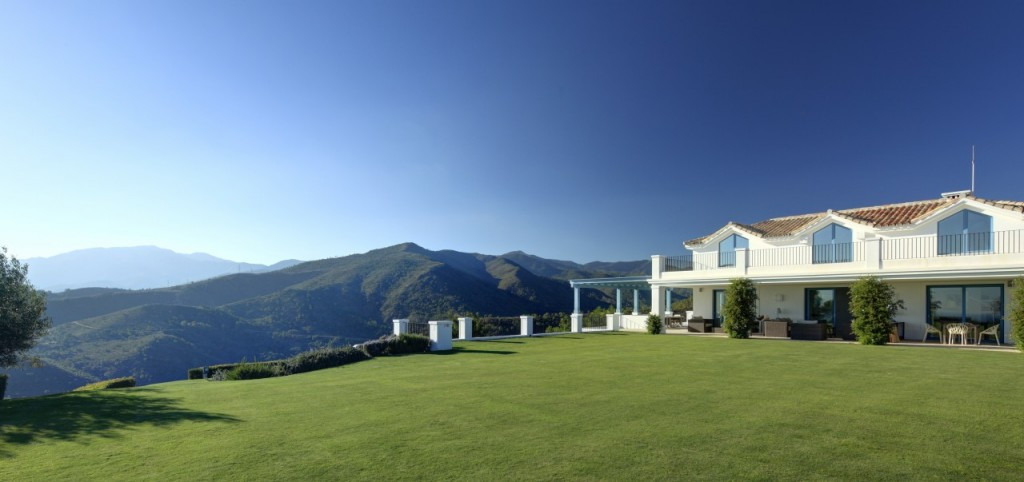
(401,326)
(440,335)
(465,328)
(657,301)
(741,260)
(873,254)
(668,302)
(657,266)
(577,322)
(526,325)
(614,321)
(636,302)
(618,301)
(575,300)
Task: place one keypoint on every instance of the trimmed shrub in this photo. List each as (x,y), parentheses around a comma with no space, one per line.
(1017,313)
(3,385)
(323,358)
(197,373)
(873,305)
(396,345)
(740,308)
(125,382)
(253,371)
(654,324)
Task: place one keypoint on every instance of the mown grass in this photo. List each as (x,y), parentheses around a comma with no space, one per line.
(596,406)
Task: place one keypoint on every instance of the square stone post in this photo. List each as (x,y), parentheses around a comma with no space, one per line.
(440,335)
(577,322)
(526,325)
(401,326)
(742,254)
(465,328)
(658,301)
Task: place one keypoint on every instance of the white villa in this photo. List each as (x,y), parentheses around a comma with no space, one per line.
(951,260)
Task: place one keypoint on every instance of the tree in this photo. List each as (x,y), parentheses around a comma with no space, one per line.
(740,308)
(873,305)
(21,311)
(1017,313)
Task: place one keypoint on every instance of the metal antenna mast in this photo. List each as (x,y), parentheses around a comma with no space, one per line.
(972,169)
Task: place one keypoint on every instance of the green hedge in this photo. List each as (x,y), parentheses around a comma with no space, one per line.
(3,385)
(124,382)
(391,345)
(253,371)
(323,358)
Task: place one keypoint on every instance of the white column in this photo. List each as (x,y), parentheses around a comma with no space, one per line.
(741,260)
(401,326)
(873,254)
(657,301)
(636,302)
(465,328)
(618,301)
(657,266)
(440,335)
(526,325)
(575,300)
(576,320)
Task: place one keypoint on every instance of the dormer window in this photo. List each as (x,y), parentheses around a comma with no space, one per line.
(832,244)
(727,250)
(966,232)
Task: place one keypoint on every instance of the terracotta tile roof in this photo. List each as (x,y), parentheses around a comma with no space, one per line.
(887,215)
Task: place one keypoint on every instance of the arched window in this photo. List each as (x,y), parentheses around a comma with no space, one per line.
(965,232)
(727,249)
(832,244)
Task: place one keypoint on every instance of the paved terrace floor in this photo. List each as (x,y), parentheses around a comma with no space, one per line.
(910,343)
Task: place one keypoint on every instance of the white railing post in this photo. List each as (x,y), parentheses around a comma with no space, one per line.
(526,325)
(576,322)
(614,321)
(657,266)
(401,326)
(465,328)
(440,335)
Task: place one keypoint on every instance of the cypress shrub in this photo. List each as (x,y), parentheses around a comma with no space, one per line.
(740,308)
(1017,313)
(323,358)
(124,382)
(654,324)
(3,385)
(873,305)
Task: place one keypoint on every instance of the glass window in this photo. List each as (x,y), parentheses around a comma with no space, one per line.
(980,305)
(833,244)
(965,232)
(821,305)
(727,249)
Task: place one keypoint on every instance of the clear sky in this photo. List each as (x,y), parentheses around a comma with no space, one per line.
(258,131)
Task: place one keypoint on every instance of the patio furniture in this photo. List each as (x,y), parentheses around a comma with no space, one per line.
(674,321)
(808,331)
(776,328)
(993,331)
(929,329)
(957,329)
(698,325)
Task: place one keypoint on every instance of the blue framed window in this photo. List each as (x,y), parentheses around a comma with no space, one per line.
(981,305)
(965,232)
(727,250)
(832,244)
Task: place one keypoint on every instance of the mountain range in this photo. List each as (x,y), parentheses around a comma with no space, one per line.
(138,267)
(155,335)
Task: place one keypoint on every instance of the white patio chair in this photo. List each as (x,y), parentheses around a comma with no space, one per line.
(992,330)
(929,329)
(955,330)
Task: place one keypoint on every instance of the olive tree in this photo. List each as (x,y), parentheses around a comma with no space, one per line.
(740,308)
(873,305)
(22,308)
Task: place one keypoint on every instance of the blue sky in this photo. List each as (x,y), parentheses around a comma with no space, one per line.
(258,131)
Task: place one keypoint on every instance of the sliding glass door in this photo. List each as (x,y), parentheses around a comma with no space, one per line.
(981,305)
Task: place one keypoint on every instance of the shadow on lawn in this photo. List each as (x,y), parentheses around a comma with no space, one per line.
(467,351)
(101,413)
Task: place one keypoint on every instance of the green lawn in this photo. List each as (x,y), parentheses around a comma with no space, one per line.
(595,406)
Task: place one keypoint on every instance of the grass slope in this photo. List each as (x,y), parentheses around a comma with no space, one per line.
(596,406)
